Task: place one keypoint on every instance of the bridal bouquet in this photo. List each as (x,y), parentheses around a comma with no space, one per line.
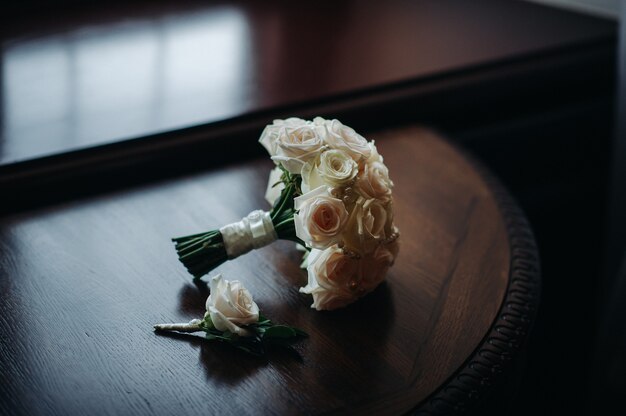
(331,193)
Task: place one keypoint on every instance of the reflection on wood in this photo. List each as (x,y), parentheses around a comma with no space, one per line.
(118,72)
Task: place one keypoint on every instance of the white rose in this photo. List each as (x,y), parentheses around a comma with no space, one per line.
(294,146)
(345,138)
(374,181)
(367,226)
(336,280)
(390,228)
(230,306)
(374,267)
(374,155)
(270,133)
(320,121)
(332,278)
(333,167)
(310,176)
(274,186)
(320,218)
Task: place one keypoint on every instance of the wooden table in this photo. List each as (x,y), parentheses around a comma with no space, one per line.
(82,283)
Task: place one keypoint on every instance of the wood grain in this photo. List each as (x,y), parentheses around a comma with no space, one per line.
(82,283)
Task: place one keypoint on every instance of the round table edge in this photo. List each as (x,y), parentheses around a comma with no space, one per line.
(509,331)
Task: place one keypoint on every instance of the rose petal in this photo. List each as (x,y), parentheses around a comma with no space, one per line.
(274,186)
(221,322)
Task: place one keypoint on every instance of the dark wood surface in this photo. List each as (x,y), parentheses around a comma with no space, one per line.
(83,282)
(73,79)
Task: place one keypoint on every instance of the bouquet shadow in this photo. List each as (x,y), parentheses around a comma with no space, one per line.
(368,323)
(373,314)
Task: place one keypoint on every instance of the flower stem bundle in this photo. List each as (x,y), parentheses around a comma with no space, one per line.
(201,253)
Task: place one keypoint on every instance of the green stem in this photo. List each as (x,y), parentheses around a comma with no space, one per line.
(200,253)
(285,196)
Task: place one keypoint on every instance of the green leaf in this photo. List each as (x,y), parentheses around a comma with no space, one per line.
(279,331)
(263,320)
(264,334)
(252,345)
(254,351)
(301,333)
(210,336)
(207,323)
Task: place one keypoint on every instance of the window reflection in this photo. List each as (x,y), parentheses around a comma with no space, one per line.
(98,84)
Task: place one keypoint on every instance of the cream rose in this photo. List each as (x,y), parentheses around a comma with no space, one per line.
(269,136)
(374,155)
(345,138)
(294,146)
(230,306)
(336,279)
(369,224)
(320,218)
(274,186)
(374,182)
(375,266)
(333,168)
(332,278)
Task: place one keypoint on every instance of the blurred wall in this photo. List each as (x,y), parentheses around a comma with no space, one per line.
(605,8)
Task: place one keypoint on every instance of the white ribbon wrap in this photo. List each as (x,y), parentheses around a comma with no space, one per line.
(253,231)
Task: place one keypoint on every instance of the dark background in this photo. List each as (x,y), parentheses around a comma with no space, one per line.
(540,106)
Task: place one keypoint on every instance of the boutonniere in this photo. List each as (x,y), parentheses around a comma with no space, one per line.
(233,317)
